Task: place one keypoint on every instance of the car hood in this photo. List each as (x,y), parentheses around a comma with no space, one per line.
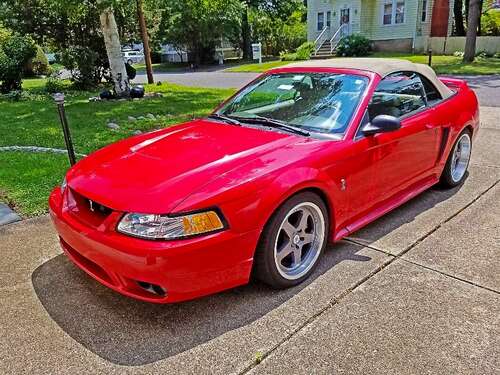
(154,172)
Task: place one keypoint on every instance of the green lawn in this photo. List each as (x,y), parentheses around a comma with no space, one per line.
(442,64)
(26,179)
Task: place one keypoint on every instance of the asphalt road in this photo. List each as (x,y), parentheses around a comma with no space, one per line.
(417,291)
(487,88)
(216,79)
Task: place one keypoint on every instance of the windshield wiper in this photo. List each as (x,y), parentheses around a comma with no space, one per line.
(273,123)
(227,119)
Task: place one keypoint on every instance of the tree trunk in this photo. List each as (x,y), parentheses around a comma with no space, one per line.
(246,44)
(479,16)
(114,52)
(459,17)
(145,41)
(470,39)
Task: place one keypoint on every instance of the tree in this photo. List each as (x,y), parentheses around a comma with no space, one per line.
(274,9)
(15,52)
(198,25)
(472,26)
(114,52)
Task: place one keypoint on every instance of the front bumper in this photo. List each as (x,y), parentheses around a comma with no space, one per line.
(183,269)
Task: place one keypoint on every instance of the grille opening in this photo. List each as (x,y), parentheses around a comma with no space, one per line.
(88,211)
(98,208)
(152,288)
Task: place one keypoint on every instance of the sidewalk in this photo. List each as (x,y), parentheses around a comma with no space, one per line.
(417,291)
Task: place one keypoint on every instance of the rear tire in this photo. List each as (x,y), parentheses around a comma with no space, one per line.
(456,166)
(293,241)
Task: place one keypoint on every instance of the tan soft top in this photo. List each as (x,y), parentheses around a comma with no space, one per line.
(380,66)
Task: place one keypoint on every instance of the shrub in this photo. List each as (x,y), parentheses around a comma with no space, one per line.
(458,54)
(15,52)
(303,52)
(288,57)
(86,66)
(354,45)
(39,64)
(54,84)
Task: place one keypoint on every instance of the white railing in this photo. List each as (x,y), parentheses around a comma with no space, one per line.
(339,34)
(320,40)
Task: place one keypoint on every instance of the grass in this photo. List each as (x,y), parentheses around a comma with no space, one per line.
(441,64)
(26,179)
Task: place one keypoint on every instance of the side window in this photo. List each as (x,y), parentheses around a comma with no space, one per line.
(397,95)
(432,94)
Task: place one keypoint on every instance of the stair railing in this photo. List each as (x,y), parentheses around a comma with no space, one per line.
(320,40)
(337,36)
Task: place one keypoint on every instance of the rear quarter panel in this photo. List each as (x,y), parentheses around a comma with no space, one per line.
(459,111)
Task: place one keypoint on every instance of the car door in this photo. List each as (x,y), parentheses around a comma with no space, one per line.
(408,155)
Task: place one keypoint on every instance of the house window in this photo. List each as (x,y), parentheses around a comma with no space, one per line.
(321,21)
(388,12)
(328,19)
(424,10)
(393,12)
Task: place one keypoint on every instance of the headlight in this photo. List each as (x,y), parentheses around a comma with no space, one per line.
(63,185)
(170,227)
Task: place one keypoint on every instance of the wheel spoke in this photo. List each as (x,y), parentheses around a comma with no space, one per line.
(289,229)
(297,256)
(303,221)
(285,249)
(308,238)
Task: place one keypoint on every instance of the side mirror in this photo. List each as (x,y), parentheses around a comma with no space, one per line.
(381,124)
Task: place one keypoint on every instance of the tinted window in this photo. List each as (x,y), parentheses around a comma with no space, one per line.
(397,95)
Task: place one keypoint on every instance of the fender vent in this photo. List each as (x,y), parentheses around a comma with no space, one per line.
(444,141)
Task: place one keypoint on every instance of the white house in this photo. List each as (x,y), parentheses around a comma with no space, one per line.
(392,25)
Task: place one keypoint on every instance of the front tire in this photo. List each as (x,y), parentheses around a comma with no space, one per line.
(456,166)
(293,241)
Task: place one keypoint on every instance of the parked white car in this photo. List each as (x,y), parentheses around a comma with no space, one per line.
(133,57)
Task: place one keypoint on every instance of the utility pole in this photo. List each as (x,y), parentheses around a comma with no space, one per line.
(145,41)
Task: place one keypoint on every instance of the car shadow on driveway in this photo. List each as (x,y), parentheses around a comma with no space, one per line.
(406,214)
(129,332)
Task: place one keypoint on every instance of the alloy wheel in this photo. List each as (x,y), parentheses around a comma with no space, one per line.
(299,241)
(460,158)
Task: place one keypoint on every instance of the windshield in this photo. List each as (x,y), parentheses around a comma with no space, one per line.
(318,102)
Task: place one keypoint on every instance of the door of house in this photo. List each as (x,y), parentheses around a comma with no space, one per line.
(345,21)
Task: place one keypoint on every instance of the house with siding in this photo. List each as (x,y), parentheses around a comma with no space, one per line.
(392,25)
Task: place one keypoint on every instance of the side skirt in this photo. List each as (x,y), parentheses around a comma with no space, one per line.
(387,206)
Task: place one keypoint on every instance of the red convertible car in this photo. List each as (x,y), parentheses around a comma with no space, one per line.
(305,154)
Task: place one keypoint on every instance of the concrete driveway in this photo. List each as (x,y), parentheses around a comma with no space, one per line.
(415,292)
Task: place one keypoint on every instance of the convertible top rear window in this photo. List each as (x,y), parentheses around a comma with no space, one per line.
(317,102)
